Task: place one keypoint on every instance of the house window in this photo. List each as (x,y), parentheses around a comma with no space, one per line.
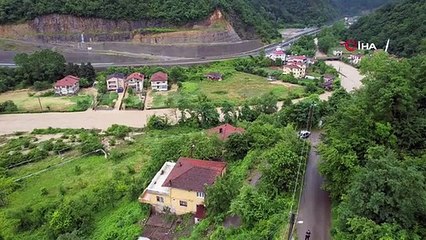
(160,199)
(183,203)
(200,194)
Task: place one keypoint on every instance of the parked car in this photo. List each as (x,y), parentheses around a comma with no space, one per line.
(304,134)
(120,90)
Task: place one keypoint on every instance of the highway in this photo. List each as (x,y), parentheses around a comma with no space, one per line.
(193,61)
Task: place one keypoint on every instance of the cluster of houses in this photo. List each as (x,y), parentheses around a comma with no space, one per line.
(180,187)
(295,65)
(116,82)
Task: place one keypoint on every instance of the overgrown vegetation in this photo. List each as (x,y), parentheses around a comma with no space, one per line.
(374,164)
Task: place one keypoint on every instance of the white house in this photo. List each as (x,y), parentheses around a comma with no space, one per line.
(115,82)
(277,54)
(135,81)
(67,86)
(159,81)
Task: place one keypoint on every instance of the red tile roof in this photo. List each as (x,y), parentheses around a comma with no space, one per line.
(67,81)
(279,52)
(297,57)
(225,131)
(292,66)
(159,76)
(193,174)
(136,75)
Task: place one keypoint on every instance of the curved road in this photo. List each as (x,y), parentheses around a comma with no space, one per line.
(315,205)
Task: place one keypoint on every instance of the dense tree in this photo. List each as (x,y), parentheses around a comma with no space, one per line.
(44,65)
(397,22)
(237,146)
(372,152)
(229,112)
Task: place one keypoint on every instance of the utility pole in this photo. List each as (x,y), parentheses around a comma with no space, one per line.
(39,103)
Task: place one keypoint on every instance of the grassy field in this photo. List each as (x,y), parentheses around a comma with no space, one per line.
(236,88)
(108,99)
(27,103)
(93,170)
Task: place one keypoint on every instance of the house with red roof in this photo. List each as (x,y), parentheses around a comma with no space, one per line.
(225,130)
(68,85)
(297,59)
(277,54)
(180,187)
(159,81)
(135,81)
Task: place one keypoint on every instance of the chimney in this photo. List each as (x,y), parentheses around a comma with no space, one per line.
(170,182)
(180,164)
(162,172)
(220,130)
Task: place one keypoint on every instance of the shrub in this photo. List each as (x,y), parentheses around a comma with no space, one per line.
(118,131)
(8,106)
(39,86)
(90,143)
(47,93)
(44,191)
(157,122)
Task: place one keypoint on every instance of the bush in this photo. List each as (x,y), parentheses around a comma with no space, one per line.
(39,86)
(118,131)
(8,106)
(157,122)
(44,191)
(47,93)
(90,143)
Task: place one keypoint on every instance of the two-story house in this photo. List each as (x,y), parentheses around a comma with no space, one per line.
(68,85)
(180,187)
(298,70)
(115,82)
(159,81)
(278,54)
(135,81)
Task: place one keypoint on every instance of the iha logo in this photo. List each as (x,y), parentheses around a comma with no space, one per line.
(352,45)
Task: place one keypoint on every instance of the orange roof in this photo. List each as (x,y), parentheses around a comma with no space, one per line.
(136,75)
(225,131)
(159,76)
(67,81)
(194,174)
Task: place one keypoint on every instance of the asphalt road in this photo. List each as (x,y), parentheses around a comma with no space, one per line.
(315,204)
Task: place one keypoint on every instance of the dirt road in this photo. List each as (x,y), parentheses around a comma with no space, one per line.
(10,123)
(351,78)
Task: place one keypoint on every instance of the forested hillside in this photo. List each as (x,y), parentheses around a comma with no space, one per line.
(375,164)
(404,23)
(354,7)
(260,16)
